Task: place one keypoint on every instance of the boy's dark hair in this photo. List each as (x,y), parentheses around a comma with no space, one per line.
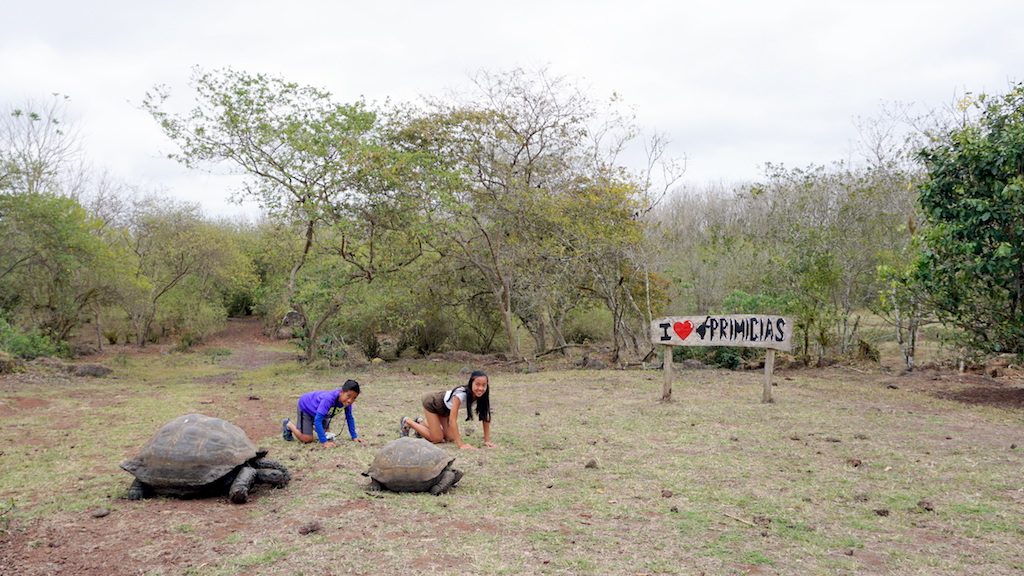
(483,403)
(350,385)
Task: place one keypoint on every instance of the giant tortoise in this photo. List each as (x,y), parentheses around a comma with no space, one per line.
(195,456)
(412,465)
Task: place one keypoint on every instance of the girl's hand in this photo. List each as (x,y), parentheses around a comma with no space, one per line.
(467,447)
(360,440)
(490,444)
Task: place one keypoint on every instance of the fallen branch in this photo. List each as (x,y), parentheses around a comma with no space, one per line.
(741,520)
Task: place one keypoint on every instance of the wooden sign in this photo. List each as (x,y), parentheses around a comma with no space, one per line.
(728,330)
(749,330)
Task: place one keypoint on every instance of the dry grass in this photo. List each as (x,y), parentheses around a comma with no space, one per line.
(841,475)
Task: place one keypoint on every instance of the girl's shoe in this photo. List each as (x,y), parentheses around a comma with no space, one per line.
(415,434)
(403,430)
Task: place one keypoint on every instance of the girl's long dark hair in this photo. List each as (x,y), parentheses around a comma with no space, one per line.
(483,403)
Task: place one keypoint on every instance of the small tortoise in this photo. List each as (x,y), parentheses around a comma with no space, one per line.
(195,456)
(412,465)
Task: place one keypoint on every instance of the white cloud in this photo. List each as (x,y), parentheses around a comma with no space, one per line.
(734,84)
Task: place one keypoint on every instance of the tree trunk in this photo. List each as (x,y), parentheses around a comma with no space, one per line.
(504,300)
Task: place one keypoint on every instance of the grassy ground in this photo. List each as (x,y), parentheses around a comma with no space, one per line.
(846,473)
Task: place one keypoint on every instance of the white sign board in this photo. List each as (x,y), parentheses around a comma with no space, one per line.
(750,330)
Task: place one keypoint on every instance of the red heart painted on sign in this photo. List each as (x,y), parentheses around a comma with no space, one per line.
(683,329)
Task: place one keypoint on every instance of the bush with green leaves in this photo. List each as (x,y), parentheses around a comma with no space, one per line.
(739,302)
(731,357)
(427,336)
(973,200)
(30,344)
(589,327)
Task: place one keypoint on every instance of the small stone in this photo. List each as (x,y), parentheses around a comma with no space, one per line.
(100,512)
(309,527)
(666,493)
(591,464)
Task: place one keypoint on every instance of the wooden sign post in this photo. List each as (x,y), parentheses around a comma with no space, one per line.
(748,330)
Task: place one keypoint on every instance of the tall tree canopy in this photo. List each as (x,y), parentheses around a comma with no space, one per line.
(527,158)
(318,166)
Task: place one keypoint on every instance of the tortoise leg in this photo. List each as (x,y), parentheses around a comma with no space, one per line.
(139,490)
(375,486)
(239,491)
(447,479)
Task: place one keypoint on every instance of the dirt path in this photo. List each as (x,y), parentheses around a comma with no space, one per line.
(251,348)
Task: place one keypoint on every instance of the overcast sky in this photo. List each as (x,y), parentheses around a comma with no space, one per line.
(733,84)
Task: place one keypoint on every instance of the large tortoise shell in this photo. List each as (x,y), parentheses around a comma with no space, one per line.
(409,464)
(191,451)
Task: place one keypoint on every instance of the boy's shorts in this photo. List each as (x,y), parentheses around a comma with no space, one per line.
(304,422)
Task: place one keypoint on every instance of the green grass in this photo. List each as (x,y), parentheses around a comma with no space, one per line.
(715,481)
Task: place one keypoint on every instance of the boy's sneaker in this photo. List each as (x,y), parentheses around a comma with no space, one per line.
(285,432)
(330,436)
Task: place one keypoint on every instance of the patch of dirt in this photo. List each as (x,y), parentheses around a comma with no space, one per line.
(1006,391)
(250,347)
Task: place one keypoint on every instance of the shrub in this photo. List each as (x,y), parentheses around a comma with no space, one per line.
(28,345)
(430,335)
(731,357)
(588,327)
(368,342)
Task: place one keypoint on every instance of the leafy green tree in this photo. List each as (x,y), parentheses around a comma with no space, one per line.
(518,158)
(831,228)
(972,264)
(53,265)
(903,306)
(323,170)
(175,256)
(50,261)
